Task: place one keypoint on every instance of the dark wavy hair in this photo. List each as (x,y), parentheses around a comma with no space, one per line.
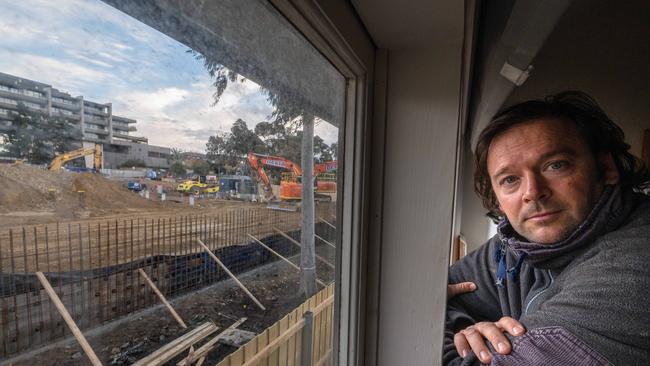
(600,133)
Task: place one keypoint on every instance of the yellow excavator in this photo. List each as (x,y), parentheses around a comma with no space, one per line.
(60,159)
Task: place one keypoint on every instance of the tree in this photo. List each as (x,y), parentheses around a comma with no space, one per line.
(63,134)
(321,150)
(36,136)
(176,154)
(201,167)
(217,152)
(133,163)
(334,150)
(177,169)
(290,115)
(227,151)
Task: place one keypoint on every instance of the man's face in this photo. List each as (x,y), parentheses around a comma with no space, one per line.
(544,177)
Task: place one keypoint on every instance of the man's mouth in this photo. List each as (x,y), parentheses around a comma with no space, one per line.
(542,216)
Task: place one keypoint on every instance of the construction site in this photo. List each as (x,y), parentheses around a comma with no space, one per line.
(136,272)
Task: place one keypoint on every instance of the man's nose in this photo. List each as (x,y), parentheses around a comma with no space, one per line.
(535,188)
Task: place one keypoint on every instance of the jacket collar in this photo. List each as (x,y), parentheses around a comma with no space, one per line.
(610,211)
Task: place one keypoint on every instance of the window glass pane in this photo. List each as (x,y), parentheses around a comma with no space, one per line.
(152,153)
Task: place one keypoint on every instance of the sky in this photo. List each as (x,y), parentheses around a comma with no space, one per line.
(85,47)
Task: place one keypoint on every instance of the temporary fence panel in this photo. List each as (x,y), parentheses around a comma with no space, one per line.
(93,266)
(282,343)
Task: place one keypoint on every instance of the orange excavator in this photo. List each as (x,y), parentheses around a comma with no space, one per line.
(291,182)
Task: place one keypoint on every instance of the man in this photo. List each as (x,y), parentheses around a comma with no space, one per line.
(566,279)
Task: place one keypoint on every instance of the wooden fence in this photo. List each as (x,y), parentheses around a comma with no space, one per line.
(302,338)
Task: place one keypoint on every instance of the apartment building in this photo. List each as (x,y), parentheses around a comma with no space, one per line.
(96,121)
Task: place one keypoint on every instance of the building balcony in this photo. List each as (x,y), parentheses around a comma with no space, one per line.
(68,105)
(95,130)
(94,119)
(73,116)
(22,97)
(123,120)
(7,105)
(129,137)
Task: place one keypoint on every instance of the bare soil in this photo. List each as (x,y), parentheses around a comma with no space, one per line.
(125,341)
(32,195)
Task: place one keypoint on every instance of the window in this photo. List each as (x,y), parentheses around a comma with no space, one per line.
(32,93)
(9,89)
(227,91)
(94,126)
(8,101)
(32,105)
(62,111)
(64,101)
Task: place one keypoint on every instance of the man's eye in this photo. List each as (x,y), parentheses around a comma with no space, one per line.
(509,180)
(556,165)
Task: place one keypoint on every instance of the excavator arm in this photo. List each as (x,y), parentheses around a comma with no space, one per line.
(96,151)
(259,161)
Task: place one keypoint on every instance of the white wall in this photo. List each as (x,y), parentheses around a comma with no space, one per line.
(420,148)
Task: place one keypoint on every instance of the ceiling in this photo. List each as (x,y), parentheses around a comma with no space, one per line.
(408,23)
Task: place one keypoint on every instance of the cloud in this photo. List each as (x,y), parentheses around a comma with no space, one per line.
(52,71)
(186,118)
(91,49)
(80,56)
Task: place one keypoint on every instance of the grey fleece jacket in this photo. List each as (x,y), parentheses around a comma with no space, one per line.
(583,301)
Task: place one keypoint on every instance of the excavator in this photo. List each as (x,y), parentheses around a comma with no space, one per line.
(60,159)
(291,182)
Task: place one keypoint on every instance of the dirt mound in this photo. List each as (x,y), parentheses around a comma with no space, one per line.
(24,187)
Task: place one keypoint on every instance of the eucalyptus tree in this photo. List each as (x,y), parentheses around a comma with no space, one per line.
(289,114)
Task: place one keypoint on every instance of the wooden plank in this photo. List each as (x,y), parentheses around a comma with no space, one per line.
(282,257)
(291,342)
(241,285)
(262,341)
(162,298)
(250,348)
(262,353)
(323,361)
(316,331)
(330,225)
(322,306)
(274,332)
(200,353)
(172,349)
(236,358)
(283,350)
(298,244)
(68,320)
(325,241)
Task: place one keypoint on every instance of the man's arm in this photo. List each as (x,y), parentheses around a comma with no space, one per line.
(599,316)
(467,309)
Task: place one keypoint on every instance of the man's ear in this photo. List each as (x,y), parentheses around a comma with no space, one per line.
(608,169)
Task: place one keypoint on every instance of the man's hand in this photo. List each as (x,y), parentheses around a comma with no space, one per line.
(474,337)
(459,288)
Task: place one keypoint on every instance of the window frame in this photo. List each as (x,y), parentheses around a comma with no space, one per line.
(312,22)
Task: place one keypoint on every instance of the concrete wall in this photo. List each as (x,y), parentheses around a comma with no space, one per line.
(112,160)
(600,47)
(421,128)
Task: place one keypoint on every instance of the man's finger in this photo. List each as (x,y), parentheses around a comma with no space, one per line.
(511,326)
(495,336)
(477,343)
(462,347)
(460,288)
